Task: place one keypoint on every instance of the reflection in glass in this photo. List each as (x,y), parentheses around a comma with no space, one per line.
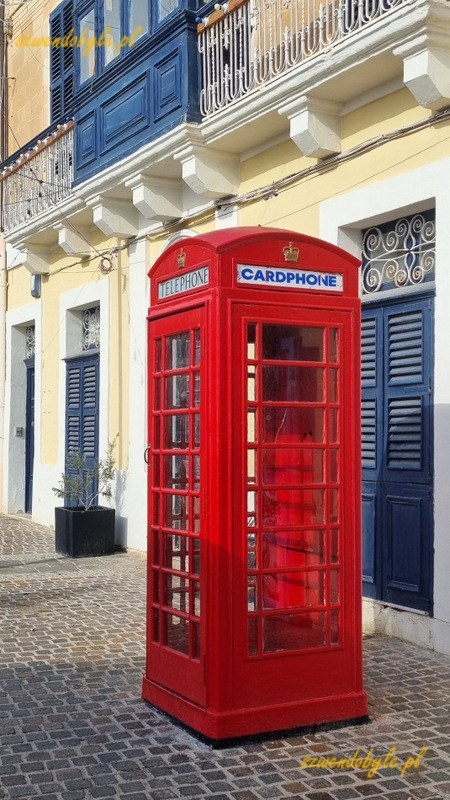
(158,355)
(176,591)
(196,430)
(176,633)
(176,511)
(296,384)
(294,631)
(333,425)
(293,507)
(251,466)
(197,351)
(156,509)
(251,383)
(196,550)
(334,546)
(292,466)
(196,510)
(156,433)
(333,476)
(87,53)
(195,640)
(293,549)
(334,505)
(334,628)
(155,625)
(196,389)
(176,555)
(196,468)
(251,595)
(157,398)
(293,425)
(292,343)
(155,584)
(333,345)
(177,351)
(177,391)
(252,636)
(332,385)
(176,435)
(293,589)
(138,17)
(176,474)
(251,425)
(196,609)
(111,22)
(334,586)
(166,7)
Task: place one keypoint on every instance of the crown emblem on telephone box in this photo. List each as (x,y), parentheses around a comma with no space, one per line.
(181,259)
(291,253)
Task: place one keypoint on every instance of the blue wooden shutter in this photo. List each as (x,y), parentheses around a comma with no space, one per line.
(82,408)
(61,63)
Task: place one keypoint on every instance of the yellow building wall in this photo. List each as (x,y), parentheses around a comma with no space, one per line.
(297,206)
(64,276)
(28,72)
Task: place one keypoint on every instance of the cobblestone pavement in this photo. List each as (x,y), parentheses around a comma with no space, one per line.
(73,726)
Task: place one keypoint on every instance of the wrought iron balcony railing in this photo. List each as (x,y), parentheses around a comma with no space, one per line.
(249,42)
(37,177)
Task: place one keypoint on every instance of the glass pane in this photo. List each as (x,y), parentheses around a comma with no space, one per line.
(293,425)
(196,551)
(252,636)
(298,384)
(176,511)
(292,466)
(176,474)
(176,554)
(196,476)
(333,434)
(155,584)
(293,589)
(196,509)
(334,628)
(294,631)
(333,385)
(155,548)
(176,592)
(334,505)
(176,436)
(177,351)
(334,586)
(292,343)
(251,383)
(156,434)
(251,341)
(196,609)
(251,466)
(334,546)
(87,52)
(138,18)
(158,355)
(251,597)
(293,549)
(111,27)
(293,507)
(176,632)
(196,398)
(334,466)
(165,7)
(155,625)
(196,430)
(197,350)
(177,391)
(155,471)
(333,345)
(195,627)
(251,425)
(156,509)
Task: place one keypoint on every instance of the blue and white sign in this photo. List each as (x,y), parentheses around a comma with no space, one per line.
(184,283)
(285,278)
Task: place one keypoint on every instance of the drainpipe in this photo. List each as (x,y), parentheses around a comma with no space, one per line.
(3,154)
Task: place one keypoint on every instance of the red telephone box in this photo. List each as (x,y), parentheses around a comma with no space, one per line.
(254,592)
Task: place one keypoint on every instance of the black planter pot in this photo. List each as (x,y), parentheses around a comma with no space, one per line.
(81,533)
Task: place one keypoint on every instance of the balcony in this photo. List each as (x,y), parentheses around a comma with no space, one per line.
(37,178)
(278,68)
(247,44)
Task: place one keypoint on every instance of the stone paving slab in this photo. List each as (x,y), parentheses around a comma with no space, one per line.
(73,726)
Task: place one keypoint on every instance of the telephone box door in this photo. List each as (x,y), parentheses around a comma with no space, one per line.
(175,598)
(288,533)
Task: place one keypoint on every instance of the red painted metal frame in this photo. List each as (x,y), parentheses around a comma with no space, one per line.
(246,694)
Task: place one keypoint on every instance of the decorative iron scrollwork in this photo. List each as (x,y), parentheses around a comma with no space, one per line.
(400,253)
(30,341)
(91,328)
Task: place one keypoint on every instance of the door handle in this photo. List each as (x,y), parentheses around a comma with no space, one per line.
(146,452)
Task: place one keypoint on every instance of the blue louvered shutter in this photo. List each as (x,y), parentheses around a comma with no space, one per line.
(407,425)
(82,408)
(61,64)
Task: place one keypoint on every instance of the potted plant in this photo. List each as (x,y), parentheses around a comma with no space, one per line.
(84,528)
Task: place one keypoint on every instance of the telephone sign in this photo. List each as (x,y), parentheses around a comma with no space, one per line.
(254,564)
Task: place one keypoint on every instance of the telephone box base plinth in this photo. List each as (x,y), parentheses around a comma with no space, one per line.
(252,721)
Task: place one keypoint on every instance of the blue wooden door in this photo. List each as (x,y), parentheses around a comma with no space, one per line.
(29,436)
(82,409)
(397,452)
